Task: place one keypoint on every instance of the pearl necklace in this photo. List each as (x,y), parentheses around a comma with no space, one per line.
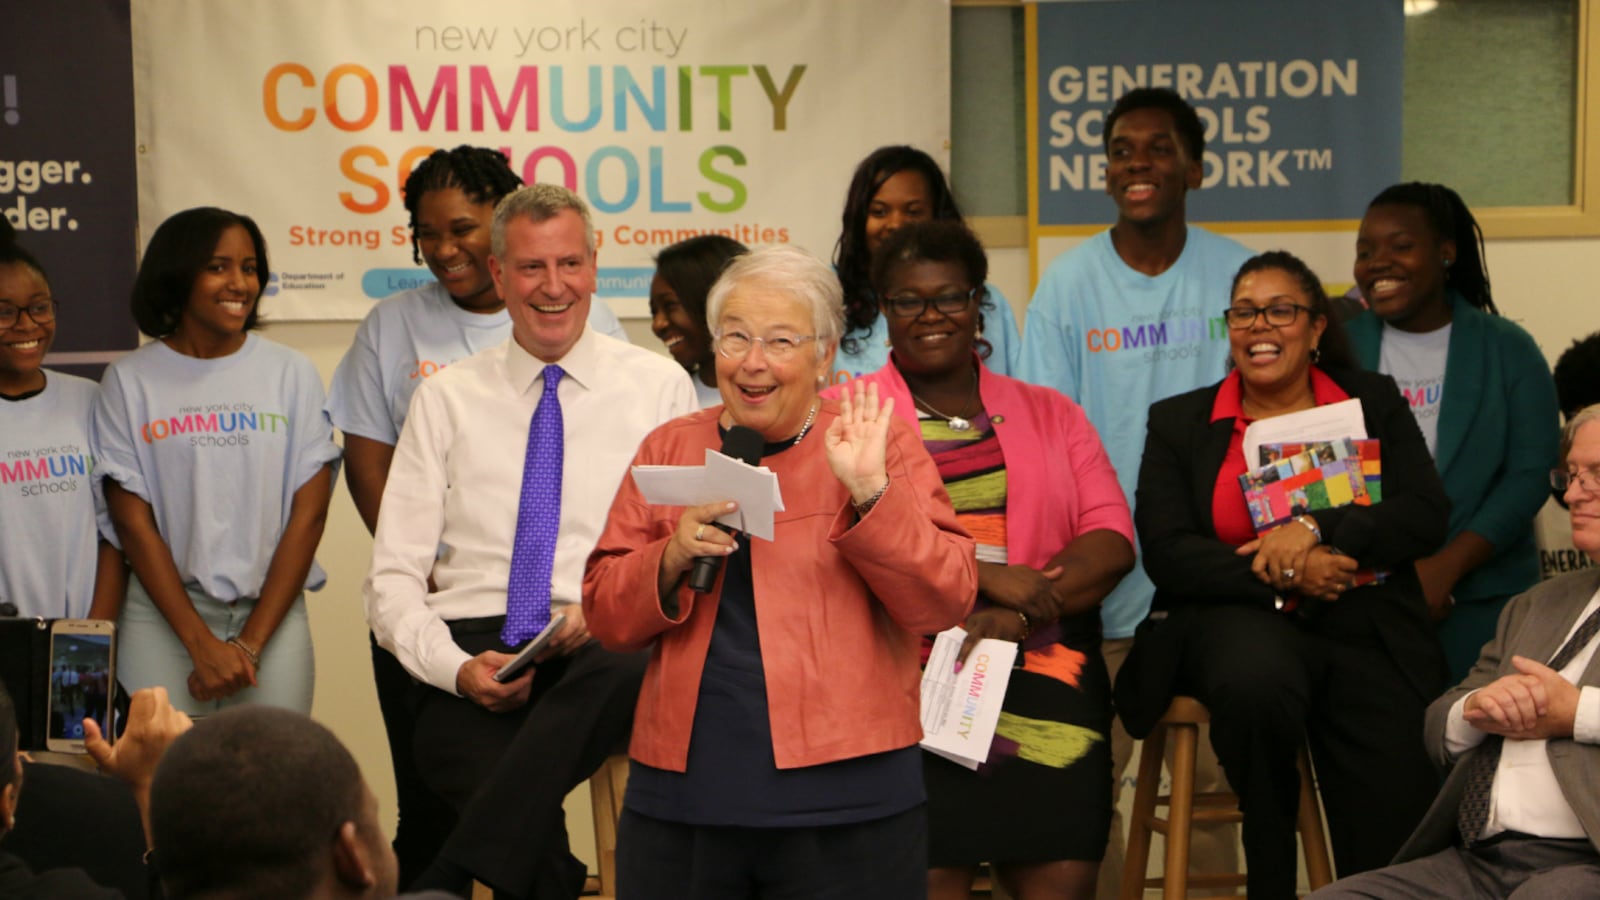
(810,417)
(954,423)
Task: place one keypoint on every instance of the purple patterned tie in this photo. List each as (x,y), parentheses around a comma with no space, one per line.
(533,551)
(1474,812)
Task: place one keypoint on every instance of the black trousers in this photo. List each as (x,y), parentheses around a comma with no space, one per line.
(506,774)
(425,819)
(1271,682)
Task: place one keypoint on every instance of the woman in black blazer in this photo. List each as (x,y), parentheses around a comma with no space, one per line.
(1268,633)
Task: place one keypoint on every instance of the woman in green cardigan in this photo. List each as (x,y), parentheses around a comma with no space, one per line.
(1480,389)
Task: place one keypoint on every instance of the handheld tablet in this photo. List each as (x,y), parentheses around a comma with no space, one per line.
(524,657)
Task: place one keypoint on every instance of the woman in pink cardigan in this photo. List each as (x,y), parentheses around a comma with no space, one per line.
(775,742)
(1031,482)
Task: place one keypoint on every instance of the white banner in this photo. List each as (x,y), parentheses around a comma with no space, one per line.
(671,119)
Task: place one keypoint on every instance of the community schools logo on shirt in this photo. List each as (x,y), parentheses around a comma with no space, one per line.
(215,425)
(1177,335)
(1423,394)
(46,470)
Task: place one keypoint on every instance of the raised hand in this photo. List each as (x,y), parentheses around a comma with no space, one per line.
(857,442)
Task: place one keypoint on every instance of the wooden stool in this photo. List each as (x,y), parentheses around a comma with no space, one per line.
(1184,807)
(606,787)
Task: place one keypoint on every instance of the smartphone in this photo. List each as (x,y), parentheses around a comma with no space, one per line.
(524,657)
(82,680)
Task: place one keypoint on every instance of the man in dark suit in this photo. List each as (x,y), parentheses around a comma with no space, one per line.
(1519,815)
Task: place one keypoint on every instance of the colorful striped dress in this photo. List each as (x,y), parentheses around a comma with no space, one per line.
(1045,793)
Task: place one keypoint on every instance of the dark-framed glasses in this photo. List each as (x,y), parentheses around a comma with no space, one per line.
(909,307)
(1278,315)
(42,312)
(737,344)
(1588,479)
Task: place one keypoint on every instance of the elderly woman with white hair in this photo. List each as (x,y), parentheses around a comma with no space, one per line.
(775,743)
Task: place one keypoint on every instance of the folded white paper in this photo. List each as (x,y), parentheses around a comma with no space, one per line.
(961,709)
(754,488)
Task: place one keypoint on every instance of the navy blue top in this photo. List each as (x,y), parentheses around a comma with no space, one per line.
(731,777)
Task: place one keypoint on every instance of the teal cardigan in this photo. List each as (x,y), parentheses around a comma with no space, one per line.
(1499,436)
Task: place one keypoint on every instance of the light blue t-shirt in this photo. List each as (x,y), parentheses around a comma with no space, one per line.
(49,502)
(217,447)
(1116,340)
(1417,362)
(872,352)
(404,339)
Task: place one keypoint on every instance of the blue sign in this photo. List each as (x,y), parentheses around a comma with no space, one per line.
(1301,101)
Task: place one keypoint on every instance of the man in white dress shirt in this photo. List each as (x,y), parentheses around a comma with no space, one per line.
(1525,728)
(505,755)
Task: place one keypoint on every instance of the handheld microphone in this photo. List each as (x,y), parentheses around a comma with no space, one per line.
(745,445)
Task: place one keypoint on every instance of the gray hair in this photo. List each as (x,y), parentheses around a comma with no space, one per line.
(539,203)
(1575,424)
(790,271)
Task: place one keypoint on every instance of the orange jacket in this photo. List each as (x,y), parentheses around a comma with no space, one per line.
(840,603)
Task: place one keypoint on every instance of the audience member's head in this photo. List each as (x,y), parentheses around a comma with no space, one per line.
(179,251)
(261,802)
(1577,375)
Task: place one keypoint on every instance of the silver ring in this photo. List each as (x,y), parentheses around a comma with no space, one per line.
(700,533)
(1289,574)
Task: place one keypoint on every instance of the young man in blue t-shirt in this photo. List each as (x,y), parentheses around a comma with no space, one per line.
(1131,316)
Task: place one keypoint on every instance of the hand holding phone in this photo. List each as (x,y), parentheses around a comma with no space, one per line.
(524,657)
(82,680)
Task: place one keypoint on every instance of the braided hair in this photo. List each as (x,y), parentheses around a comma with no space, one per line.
(1451,220)
(483,174)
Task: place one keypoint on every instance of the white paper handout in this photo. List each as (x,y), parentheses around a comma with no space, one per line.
(754,488)
(1322,423)
(961,709)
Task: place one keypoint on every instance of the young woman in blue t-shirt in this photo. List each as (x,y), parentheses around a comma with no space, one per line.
(218,467)
(52,561)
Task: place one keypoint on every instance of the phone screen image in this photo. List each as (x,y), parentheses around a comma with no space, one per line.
(80,683)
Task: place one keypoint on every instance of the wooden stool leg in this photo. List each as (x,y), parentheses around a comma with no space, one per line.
(1309,820)
(1136,857)
(1180,812)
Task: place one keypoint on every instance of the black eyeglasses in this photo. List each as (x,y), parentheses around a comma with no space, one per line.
(42,313)
(1278,315)
(949,304)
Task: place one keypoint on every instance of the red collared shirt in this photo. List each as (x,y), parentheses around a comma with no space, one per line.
(1229,514)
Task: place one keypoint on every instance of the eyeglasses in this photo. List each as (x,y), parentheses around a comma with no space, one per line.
(737,344)
(1588,479)
(42,313)
(949,304)
(1278,315)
